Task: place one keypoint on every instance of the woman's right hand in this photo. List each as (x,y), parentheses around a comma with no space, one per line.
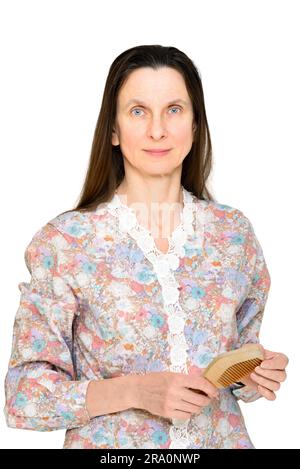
(168,394)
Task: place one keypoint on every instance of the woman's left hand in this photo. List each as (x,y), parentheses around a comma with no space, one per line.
(268,376)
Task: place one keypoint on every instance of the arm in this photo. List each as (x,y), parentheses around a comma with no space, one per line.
(249,315)
(41,389)
(112,395)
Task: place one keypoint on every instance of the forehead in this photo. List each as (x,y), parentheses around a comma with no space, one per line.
(144,103)
(146,85)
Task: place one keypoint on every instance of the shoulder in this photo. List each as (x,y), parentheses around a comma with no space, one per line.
(230,228)
(82,224)
(61,231)
(226,216)
(76,229)
(72,223)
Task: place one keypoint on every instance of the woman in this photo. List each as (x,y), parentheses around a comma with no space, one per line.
(143,283)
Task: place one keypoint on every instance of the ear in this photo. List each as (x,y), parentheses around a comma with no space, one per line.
(193,131)
(115,138)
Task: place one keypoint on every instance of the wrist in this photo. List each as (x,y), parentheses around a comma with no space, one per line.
(131,386)
(110,395)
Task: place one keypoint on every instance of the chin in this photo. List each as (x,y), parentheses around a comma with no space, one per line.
(160,170)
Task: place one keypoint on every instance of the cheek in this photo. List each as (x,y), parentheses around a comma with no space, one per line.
(181,130)
(183,137)
(131,136)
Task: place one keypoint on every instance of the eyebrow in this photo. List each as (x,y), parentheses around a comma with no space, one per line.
(138,101)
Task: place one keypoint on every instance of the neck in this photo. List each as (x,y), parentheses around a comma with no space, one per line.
(157,208)
(142,193)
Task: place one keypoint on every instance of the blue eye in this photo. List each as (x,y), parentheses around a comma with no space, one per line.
(136,110)
(175,107)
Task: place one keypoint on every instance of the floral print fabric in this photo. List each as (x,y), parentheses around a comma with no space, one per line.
(103,301)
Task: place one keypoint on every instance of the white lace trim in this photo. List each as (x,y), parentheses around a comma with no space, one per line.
(164,264)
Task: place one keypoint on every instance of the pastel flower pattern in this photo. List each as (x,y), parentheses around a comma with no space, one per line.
(104,302)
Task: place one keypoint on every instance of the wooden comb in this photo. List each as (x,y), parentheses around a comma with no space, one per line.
(229,367)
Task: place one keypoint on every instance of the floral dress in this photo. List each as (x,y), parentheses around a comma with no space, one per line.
(103,301)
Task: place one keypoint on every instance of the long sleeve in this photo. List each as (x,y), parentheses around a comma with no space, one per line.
(41,389)
(250,313)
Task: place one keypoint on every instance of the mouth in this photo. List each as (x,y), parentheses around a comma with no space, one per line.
(158,152)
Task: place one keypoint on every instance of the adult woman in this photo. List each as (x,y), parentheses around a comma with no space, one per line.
(124,311)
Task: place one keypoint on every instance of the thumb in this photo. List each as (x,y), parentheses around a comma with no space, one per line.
(269,354)
(195,370)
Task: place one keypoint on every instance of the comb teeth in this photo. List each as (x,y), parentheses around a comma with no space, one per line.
(239,370)
(231,366)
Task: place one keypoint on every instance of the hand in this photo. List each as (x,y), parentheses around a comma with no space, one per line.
(268,377)
(169,394)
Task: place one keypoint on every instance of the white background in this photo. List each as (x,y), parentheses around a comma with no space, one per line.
(55,57)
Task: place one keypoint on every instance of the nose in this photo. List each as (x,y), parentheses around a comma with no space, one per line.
(157,128)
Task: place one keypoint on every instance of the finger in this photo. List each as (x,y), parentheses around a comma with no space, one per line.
(269,354)
(202,384)
(188,407)
(276,375)
(277,362)
(177,414)
(270,395)
(267,383)
(195,398)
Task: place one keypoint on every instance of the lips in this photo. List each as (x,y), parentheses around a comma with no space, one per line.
(157,149)
(158,152)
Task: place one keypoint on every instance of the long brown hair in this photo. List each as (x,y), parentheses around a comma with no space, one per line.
(106,167)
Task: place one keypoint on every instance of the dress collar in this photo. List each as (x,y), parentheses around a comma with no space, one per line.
(128,223)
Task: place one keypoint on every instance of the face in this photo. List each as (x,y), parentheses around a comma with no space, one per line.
(154,111)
